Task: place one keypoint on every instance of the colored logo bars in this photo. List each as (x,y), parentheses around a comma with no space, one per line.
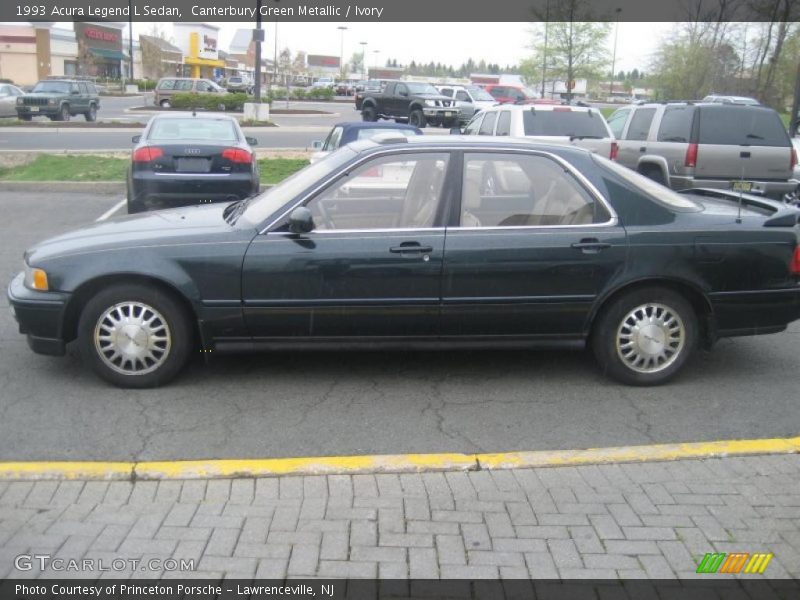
(735,562)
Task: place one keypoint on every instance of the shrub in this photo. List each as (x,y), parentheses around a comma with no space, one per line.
(230,102)
(324,93)
(298,93)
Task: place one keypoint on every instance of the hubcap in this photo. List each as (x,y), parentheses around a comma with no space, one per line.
(132,338)
(650,338)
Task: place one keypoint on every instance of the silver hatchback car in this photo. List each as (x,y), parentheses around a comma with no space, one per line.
(687,145)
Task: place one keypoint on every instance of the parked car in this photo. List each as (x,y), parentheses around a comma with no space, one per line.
(470,99)
(324,82)
(709,145)
(551,124)
(510,94)
(564,249)
(184,158)
(238,84)
(59,99)
(732,100)
(344,133)
(416,103)
(169,86)
(8,99)
(345,88)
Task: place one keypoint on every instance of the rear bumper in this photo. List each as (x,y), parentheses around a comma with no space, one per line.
(40,316)
(771,189)
(151,191)
(753,313)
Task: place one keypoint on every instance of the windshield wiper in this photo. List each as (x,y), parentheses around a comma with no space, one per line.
(234,210)
(753,136)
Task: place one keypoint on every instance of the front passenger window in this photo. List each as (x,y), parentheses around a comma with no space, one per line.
(397,192)
(487,127)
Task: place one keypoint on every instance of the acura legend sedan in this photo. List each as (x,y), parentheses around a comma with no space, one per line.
(422,242)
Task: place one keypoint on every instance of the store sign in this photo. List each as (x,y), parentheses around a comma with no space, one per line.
(209,44)
(100,35)
(318,60)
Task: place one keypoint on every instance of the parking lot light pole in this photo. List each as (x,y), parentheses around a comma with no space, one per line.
(376,52)
(544,57)
(258,37)
(363,58)
(614,54)
(341,28)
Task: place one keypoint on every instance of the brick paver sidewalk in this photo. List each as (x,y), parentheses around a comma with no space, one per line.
(652,520)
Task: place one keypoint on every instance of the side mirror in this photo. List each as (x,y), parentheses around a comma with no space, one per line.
(252,141)
(403,93)
(136,139)
(456,131)
(301,221)
(75,93)
(316,145)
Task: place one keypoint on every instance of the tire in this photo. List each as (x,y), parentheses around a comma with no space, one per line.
(169,333)
(165,103)
(91,114)
(63,113)
(655,174)
(368,113)
(417,118)
(616,345)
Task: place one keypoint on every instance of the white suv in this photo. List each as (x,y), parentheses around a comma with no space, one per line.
(470,99)
(552,124)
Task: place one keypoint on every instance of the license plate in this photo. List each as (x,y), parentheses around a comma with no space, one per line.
(741,186)
(448,114)
(34,109)
(193,165)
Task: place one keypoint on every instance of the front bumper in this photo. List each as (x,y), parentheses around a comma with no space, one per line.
(49,110)
(770,189)
(441,115)
(40,316)
(154,191)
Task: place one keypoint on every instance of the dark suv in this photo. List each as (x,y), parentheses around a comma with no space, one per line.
(60,99)
(687,145)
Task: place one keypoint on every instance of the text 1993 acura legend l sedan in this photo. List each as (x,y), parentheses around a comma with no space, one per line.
(422,242)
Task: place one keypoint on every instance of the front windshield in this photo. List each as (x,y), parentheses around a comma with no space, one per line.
(478,93)
(57,87)
(264,205)
(422,88)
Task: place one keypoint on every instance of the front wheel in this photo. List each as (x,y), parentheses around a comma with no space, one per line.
(368,113)
(135,336)
(91,114)
(645,336)
(416,118)
(63,114)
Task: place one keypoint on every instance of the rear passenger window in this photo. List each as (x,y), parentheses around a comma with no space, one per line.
(184,85)
(504,123)
(513,190)
(640,124)
(167,84)
(487,127)
(676,124)
(741,126)
(84,88)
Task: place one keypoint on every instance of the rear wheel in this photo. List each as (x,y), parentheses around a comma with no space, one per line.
(165,104)
(645,336)
(135,336)
(368,113)
(91,114)
(417,118)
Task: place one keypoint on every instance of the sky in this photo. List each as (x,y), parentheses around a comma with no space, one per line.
(448,43)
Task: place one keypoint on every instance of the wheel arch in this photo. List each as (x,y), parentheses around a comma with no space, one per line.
(689,290)
(654,162)
(84,292)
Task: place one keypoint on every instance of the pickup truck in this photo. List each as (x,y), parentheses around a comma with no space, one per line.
(417,103)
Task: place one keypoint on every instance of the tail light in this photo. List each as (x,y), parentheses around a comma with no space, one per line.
(793,159)
(237,155)
(794,266)
(147,154)
(691,156)
(614,150)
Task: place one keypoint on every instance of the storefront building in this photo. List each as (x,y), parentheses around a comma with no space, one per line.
(100,51)
(198,43)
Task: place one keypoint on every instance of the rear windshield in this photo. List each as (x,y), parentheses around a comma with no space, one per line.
(676,124)
(564,123)
(198,128)
(367,133)
(741,126)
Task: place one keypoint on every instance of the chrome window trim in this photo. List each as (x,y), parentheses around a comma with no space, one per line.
(394,149)
(422,230)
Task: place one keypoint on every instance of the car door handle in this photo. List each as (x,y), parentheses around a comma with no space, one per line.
(408,247)
(591,245)
(642,148)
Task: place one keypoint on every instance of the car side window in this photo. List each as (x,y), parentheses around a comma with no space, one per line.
(676,124)
(401,89)
(203,86)
(504,123)
(462,96)
(84,89)
(5,90)
(487,127)
(514,190)
(446,92)
(396,192)
(334,138)
(73,87)
(184,85)
(616,122)
(474,125)
(640,124)
(167,84)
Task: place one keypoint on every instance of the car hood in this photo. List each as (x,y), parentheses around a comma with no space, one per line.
(432,96)
(157,228)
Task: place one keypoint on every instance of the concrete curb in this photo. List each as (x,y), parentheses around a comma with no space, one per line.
(399,463)
(89,187)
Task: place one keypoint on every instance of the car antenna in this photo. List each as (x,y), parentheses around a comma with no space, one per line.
(739,211)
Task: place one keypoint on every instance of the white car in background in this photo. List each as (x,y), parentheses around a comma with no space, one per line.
(551,124)
(323,82)
(470,99)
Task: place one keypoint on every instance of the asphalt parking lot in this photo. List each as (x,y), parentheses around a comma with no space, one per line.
(310,404)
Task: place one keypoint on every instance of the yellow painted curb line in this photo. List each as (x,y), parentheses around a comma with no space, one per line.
(396,463)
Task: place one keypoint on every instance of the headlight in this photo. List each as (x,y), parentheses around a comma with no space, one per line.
(430,102)
(36,279)
(51,101)
(19,100)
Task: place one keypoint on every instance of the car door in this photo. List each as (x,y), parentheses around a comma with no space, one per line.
(635,144)
(397,103)
(370,267)
(531,247)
